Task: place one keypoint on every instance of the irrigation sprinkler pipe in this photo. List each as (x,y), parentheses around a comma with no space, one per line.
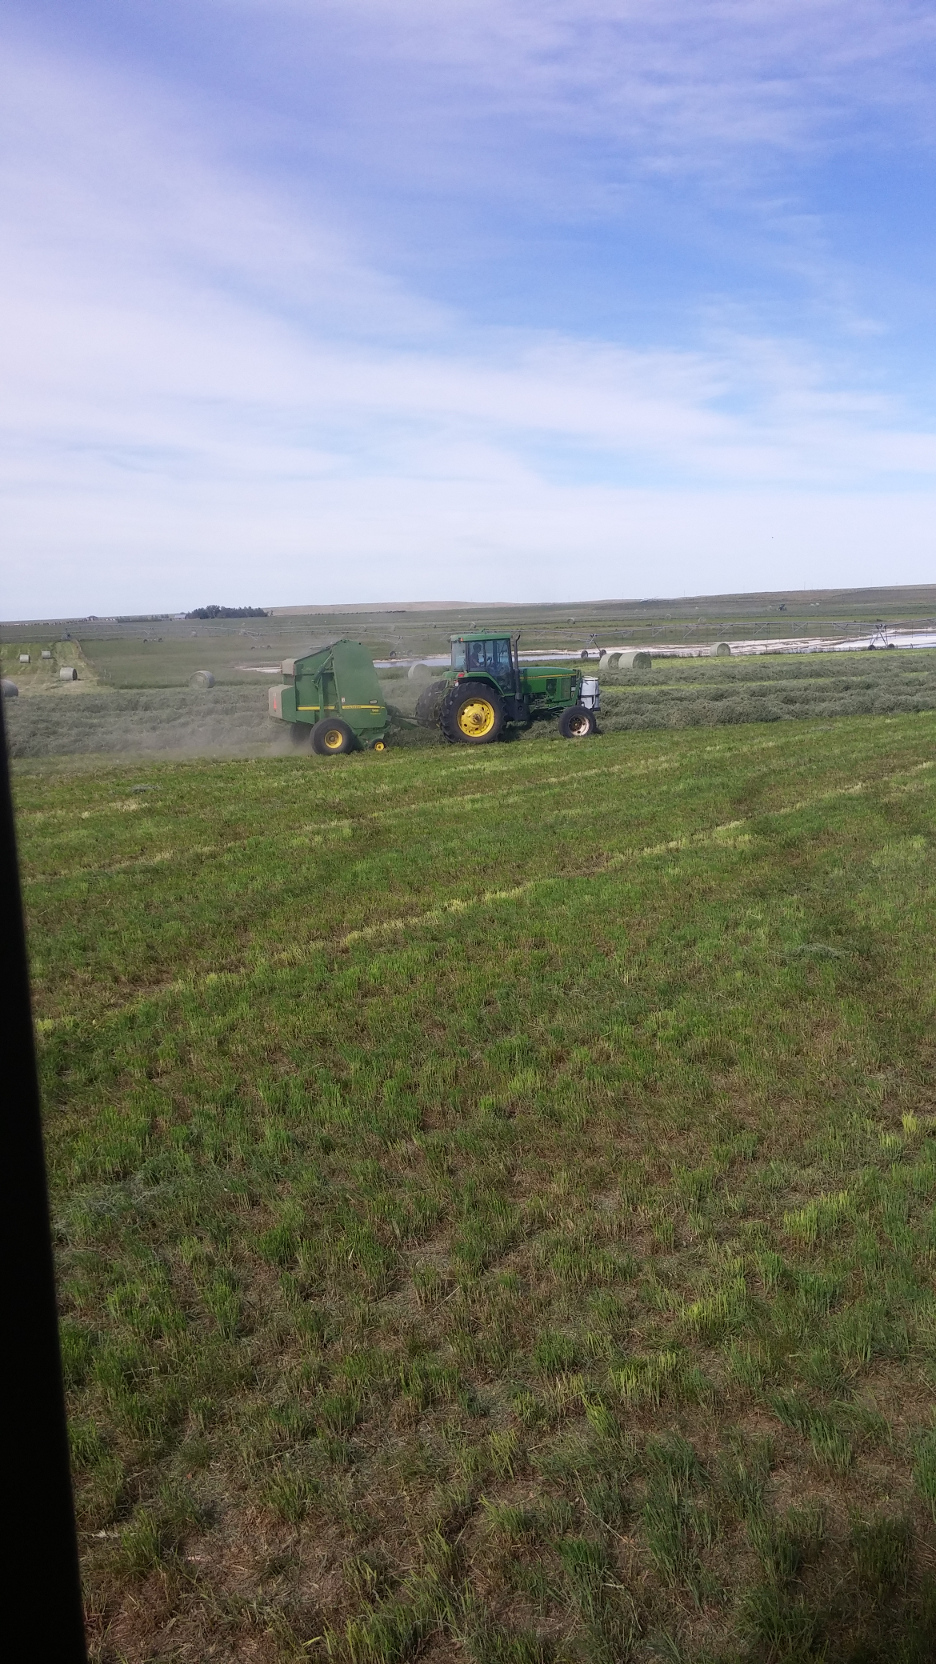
(703,650)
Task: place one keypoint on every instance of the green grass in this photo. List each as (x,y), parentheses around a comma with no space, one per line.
(495,1195)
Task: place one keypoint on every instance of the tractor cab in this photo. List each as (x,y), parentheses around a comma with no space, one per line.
(491,658)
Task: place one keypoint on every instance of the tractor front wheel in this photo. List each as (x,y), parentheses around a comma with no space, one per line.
(576,723)
(472,713)
(331,737)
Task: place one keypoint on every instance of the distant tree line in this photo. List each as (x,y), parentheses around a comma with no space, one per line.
(227,612)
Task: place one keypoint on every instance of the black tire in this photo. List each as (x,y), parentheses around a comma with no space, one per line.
(299,733)
(463,725)
(577,723)
(429,704)
(331,737)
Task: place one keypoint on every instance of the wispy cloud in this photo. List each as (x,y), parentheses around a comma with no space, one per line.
(678,81)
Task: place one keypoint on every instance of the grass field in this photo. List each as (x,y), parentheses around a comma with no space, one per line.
(494,1195)
(162,651)
(675,693)
(699,692)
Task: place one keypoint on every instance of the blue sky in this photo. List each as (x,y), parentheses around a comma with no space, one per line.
(324,300)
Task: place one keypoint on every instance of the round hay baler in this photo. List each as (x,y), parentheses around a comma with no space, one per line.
(332,698)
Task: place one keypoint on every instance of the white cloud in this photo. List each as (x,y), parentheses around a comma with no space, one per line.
(680,80)
(209,390)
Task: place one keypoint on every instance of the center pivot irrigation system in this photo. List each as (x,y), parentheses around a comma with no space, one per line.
(333,696)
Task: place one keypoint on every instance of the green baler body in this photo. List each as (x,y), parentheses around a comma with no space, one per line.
(335,681)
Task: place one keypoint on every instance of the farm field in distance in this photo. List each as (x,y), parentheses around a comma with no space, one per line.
(133,694)
(494,1193)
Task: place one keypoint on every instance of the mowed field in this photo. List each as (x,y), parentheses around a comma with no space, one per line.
(495,1195)
(92,716)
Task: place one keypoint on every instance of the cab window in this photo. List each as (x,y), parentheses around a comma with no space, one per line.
(491,657)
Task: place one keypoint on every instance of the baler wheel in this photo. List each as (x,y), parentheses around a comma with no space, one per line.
(576,723)
(331,737)
(472,713)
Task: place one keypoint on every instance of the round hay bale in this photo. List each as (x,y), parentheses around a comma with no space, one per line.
(202,679)
(46,653)
(723,650)
(10,689)
(419,672)
(634,658)
(24,658)
(68,673)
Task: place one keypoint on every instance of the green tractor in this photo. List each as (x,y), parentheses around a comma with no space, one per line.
(486,687)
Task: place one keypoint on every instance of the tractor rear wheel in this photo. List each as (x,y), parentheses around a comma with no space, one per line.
(576,723)
(429,704)
(331,737)
(472,713)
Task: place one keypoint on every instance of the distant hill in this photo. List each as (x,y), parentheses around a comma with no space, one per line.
(371,606)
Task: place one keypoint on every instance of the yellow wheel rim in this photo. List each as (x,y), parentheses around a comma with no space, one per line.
(378,745)
(333,739)
(476,718)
